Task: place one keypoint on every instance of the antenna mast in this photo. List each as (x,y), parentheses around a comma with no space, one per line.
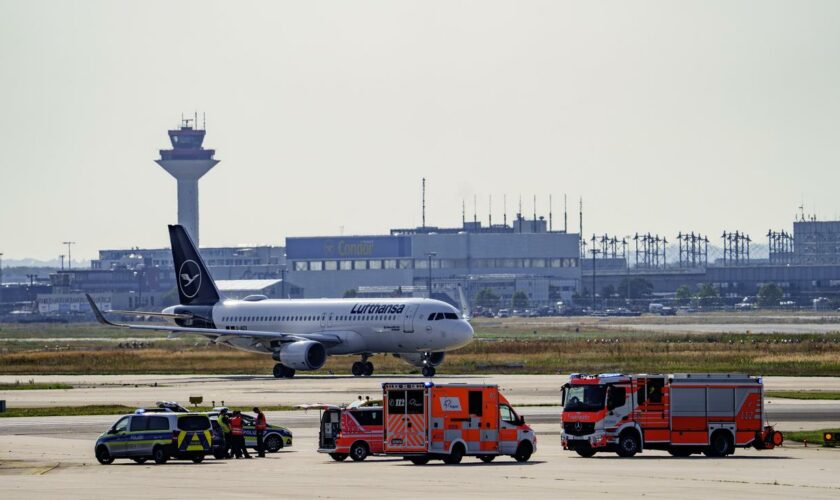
(423,207)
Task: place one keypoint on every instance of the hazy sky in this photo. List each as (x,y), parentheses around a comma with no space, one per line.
(663,115)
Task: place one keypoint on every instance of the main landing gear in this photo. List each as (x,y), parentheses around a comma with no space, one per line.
(281,371)
(363,368)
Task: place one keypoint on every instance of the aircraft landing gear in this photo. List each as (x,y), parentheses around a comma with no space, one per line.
(281,371)
(363,368)
(428,371)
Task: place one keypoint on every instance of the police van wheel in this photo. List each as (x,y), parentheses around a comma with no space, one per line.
(420,460)
(523,452)
(429,371)
(103,456)
(359,451)
(486,458)
(197,459)
(140,460)
(368,369)
(455,456)
(338,457)
(273,443)
(159,455)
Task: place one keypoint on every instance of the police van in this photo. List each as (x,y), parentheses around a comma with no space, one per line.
(275,438)
(156,436)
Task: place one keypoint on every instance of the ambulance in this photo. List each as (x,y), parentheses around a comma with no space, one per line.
(424,421)
(709,413)
(354,432)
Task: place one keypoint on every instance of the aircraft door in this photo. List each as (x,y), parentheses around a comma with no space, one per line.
(408,318)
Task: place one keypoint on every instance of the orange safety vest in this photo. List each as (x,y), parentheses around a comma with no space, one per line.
(236,426)
(260,425)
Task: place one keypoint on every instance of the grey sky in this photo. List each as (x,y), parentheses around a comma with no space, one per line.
(664,116)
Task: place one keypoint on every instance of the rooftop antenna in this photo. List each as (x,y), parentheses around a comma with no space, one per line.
(549,214)
(475,210)
(423,207)
(463,213)
(195,119)
(565,215)
(581,215)
(490,211)
(204,120)
(534,222)
(504,209)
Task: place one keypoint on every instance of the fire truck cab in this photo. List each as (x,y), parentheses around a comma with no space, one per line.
(712,413)
(424,421)
(354,431)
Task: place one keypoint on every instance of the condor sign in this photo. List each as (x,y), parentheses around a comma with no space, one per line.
(348,248)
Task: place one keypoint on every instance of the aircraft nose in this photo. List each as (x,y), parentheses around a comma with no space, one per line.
(466,332)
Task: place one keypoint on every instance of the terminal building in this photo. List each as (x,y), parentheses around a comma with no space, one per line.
(524,257)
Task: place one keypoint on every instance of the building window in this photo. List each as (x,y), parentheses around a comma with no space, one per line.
(359,264)
(389,263)
(330,265)
(300,266)
(537,262)
(374,264)
(345,265)
(406,263)
(316,265)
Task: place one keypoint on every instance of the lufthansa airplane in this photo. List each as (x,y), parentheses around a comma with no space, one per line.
(300,333)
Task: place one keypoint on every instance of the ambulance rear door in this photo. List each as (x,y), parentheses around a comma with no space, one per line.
(405,423)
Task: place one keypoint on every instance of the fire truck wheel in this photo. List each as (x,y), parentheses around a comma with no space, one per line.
(357,369)
(628,444)
(338,457)
(368,369)
(486,458)
(586,452)
(720,446)
(455,456)
(680,451)
(523,452)
(359,451)
(429,371)
(420,460)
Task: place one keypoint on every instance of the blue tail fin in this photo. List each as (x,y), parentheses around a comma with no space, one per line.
(195,286)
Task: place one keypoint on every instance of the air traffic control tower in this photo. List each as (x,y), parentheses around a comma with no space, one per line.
(187,162)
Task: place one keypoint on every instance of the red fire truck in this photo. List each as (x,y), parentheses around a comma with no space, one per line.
(350,431)
(712,413)
(424,421)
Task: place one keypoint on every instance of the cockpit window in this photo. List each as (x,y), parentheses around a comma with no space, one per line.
(439,316)
(450,315)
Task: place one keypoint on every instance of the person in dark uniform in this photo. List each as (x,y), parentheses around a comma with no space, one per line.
(237,434)
(260,426)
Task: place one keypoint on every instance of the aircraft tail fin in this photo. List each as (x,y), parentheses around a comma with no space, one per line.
(465,306)
(195,285)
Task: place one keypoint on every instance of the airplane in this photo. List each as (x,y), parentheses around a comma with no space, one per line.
(301,333)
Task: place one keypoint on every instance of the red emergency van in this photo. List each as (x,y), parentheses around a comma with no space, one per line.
(424,421)
(350,431)
(687,413)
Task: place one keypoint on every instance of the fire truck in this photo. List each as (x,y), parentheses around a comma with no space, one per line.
(354,431)
(709,413)
(424,421)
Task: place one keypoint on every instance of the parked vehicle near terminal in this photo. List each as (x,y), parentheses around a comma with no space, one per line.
(424,421)
(275,438)
(712,413)
(354,432)
(156,435)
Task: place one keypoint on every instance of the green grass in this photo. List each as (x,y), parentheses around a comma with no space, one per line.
(32,386)
(69,411)
(824,395)
(813,437)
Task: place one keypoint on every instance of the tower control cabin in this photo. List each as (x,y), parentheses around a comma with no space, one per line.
(187,162)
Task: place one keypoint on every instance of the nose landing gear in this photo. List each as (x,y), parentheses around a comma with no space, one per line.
(428,369)
(363,368)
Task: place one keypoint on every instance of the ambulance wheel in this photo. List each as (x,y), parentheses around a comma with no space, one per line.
(159,455)
(455,456)
(140,460)
(628,444)
(103,456)
(680,451)
(720,446)
(368,369)
(338,457)
(486,458)
(523,452)
(197,459)
(420,460)
(359,451)
(428,371)
(273,443)
(358,369)
(586,452)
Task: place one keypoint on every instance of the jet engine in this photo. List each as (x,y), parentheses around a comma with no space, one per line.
(302,355)
(416,358)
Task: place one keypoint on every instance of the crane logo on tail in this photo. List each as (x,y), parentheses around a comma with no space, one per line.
(189,278)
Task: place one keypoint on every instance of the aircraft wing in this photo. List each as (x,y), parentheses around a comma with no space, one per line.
(220,335)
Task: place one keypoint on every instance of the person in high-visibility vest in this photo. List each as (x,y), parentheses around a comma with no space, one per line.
(224,423)
(237,434)
(260,426)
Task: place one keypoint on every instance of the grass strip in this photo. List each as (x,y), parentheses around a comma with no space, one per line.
(32,387)
(812,437)
(817,395)
(70,411)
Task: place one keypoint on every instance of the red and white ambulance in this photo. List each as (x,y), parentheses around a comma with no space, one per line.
(424,421)
(712,413)
(354,431)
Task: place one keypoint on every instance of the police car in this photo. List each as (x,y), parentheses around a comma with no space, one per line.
(275,438)
(158,436)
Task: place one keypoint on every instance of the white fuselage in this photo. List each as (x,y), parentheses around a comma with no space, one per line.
(408,325)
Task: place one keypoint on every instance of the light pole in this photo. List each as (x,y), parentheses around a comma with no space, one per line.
(61,256)
(139,276)
(430,255)
(69,257)
(31,279)
(1,268)
(283,281)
